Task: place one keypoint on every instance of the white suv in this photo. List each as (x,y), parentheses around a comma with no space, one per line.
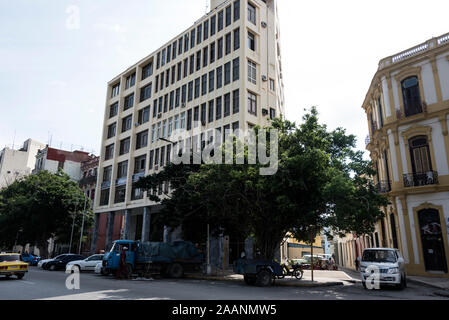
(385,265)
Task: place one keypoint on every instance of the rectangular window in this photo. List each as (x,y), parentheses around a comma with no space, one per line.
(104,197)
(162,156)
(192,63)
(156,158)
(235,128)
(172,100)
(153,133)
(235,101)
(272,113)
(144,115)
(213,25)
(163,57)
(227,104)
(122,169)
(127,123)
(170,127)
(203,114)
(147,70)
(109,152)
(168,53)
(177,97)
(186,43)
(124,146)
(251,41)
(218,110)
(180,46)
(162,80)
(211,80)
(150,161)
(142,140)
(113,110)
(228,15)
(158,132)
(145,92)
(130,81)
(158,60)
(220,21)
(197,87)
(228,43)
(212,52)
(183,120)
(175,44)
(199,36)
(112,129)
(120,194)
(192,39)
(205,57)
(155,108)
(251,13)
(184,94)
(198,60)
(107,174)
(186,67)
(237,39)
(156,87)
(204,84)
(179,75)
(220,48)
(164,129)
(196,116)
(167,79)
(272,85)
(236,69)
(206,29)
(236,10)
(252,72)
(190,93)
(252,103)
(219,77)
(189,119)
(173,74)
(166,103)
(115,90)
(161,104)
(176,122)
(227,73)
(211,111)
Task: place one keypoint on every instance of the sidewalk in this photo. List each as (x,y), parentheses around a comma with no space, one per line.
(321,279)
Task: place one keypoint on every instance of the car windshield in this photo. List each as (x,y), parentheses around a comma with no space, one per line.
(379,256)
(10,257)
(60,257)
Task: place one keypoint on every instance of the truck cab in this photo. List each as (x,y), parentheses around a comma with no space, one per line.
(111,259)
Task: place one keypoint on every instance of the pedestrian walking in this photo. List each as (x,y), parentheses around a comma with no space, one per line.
(122,269)
(357,263)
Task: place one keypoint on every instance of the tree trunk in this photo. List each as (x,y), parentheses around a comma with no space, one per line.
(43,248)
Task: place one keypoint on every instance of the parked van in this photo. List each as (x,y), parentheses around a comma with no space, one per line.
(388,262)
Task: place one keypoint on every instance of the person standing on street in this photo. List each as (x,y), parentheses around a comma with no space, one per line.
(122,268)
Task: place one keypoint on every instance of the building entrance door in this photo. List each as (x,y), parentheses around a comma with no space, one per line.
(432,240)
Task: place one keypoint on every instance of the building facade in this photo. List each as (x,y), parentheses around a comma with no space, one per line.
(407,108)
(222,73)
(18,163)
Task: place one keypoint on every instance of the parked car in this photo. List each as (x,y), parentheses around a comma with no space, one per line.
(11,264)
(41,262)
(389,263)
(60,262)
(87,264)
(99,267)
(31,259)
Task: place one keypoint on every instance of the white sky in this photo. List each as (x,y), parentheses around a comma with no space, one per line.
(53,79)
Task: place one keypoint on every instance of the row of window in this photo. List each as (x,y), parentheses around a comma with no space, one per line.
(200,33)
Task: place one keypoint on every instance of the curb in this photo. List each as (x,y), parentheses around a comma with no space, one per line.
(277,283)
(426,284)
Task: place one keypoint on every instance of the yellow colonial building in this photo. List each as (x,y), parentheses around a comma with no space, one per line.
(407,108)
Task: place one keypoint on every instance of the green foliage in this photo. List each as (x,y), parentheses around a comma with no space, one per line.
(321,182)
(41,206)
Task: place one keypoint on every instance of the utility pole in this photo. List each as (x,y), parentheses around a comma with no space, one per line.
(82,224)
(311,250)
(73,226)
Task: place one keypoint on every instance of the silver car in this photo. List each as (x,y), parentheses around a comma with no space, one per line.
(382,266)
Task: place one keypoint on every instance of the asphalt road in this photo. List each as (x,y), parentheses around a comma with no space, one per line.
(40,284)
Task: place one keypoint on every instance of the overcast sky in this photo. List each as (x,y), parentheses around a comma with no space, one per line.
(53,75)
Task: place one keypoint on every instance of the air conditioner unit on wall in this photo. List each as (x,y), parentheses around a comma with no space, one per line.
(264,24)
(264,112)
(264,78)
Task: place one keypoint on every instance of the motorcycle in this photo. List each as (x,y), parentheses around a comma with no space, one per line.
(296,271)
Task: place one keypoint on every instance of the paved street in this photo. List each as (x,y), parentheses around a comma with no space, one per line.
(39,284)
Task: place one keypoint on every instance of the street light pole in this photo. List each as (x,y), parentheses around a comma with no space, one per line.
(311,250)
(82,224)
(73,226)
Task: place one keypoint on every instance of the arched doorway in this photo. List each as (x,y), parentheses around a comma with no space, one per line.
(432,240)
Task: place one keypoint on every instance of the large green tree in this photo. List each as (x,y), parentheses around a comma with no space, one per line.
(38,207)
(321,181)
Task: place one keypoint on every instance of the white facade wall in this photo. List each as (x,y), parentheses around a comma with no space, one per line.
(443,73)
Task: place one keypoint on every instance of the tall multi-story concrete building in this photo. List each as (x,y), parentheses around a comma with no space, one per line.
(18,163)
(407,108)
(224,72)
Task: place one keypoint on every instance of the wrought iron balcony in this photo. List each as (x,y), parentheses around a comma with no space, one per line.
(383,186)
(420,179)
(138,175)
(88,180)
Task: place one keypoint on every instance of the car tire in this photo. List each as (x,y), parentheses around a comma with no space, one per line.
(364,285)
(264,278)
(249,280)
(175,271)
(20,276)
(403,283)
(52,267)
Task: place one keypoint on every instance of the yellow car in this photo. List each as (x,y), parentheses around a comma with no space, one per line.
(11,264)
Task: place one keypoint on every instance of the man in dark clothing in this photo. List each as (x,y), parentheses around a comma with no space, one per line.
(122,268)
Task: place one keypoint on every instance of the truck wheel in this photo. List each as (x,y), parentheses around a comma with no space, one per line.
(175,271)
(249,280)
(264,278)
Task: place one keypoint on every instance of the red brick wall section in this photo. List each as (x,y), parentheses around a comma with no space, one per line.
(118,223)
(102,229)
(61,155)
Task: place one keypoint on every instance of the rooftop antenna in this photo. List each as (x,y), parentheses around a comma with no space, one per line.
(14,139)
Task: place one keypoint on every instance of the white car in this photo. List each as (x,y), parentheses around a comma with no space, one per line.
(98,267)
(87,264)
(41,262)
(385,265)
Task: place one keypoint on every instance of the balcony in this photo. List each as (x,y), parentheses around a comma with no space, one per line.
(138,175)
(383,186)
(88,180)
(420,179)
(120,181)
(105,184)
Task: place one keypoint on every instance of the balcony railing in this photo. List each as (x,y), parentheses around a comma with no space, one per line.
(420,179)
(138,175)
(383,186)
(120,181)
(105,184)
(88,180)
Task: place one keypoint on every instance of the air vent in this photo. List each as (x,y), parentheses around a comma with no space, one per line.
(264,78)
(264,112)
(264,24)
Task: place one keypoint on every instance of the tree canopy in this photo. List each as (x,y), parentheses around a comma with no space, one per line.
(321,181)
(38,207)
